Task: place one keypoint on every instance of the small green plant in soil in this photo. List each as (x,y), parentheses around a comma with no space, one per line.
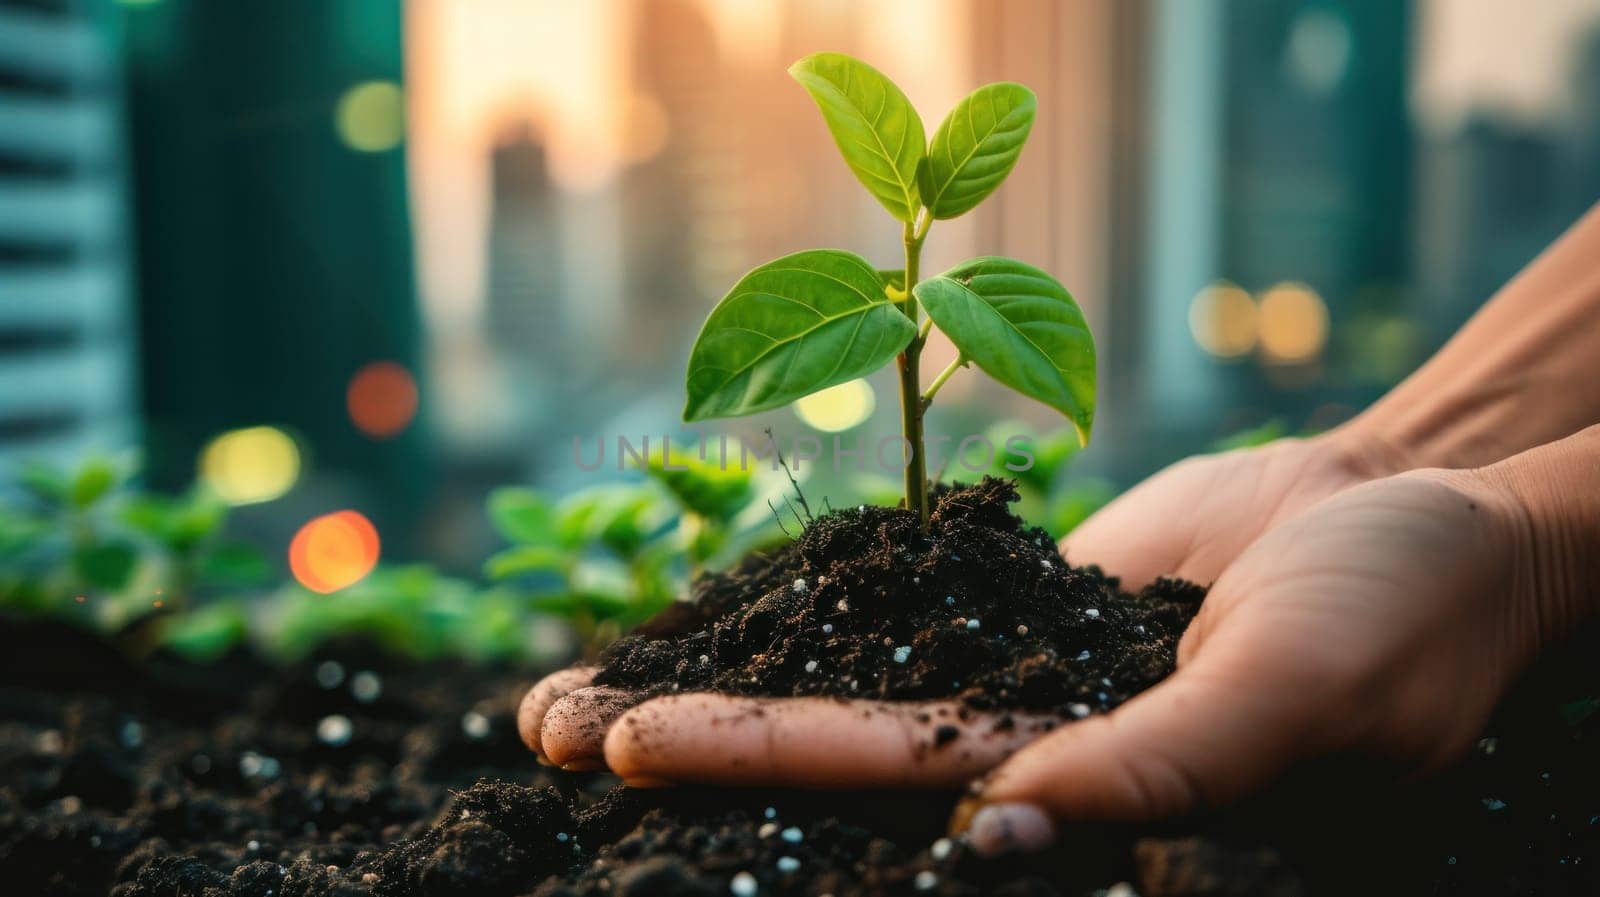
(818,318)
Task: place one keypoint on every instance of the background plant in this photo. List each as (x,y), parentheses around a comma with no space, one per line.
(82,545)
(609,557)
(86,547)
(814,319)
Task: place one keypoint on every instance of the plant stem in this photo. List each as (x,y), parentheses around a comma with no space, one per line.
(933,388)
(910,394)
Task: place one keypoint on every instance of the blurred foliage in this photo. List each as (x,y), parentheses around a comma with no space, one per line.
(148,571)
(611,556)
(1049,497)
(1271,431)
(412,610)
(82,546)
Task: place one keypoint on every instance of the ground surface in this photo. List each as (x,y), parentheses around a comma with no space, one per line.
(355,774)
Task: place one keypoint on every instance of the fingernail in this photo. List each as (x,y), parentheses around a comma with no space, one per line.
(1007,828)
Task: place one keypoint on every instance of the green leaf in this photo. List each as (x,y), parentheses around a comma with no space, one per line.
(580,517)
(205,634)
(1272,430)
(1075,504)
(234,565)
(620,516)
(49,485)
(520,560)
(878,131)
(106,566)
(1022,328)
(563,604)
(874,489)
(793,326)
(522,515)
(20,533)
(893,279)
(177,523)
(1051,453)
(703,540)
(709,490)
(632,516)
(93,481)
(975,147)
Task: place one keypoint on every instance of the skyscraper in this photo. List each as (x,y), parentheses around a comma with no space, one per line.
(525,316)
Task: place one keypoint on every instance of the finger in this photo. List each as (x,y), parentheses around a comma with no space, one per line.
(574,730)
(1138,537)
(530,713)
(812,742)
(1198,739)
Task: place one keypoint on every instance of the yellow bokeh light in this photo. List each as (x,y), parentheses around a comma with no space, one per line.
(252,465)
(1293,324)
(1222,318)
(371,116)
(837,408)
(334,551)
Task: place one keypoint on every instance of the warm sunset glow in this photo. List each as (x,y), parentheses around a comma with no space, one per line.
(567,73)
(382,399)
(334,551)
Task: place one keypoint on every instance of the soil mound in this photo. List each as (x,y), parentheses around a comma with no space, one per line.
(981,607)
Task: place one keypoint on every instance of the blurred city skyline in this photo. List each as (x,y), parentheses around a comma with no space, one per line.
(415,248)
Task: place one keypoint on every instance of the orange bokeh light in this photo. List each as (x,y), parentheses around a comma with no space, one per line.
(382,398)
(334,551)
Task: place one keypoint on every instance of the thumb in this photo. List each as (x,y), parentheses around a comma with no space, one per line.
(1198,739)
(1151,530)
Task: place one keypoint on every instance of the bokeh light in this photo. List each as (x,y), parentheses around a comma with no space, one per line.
(371,116)
(1222,318)
(251,465)
(334,551)
(1293,323)
(837,408)
(382,399)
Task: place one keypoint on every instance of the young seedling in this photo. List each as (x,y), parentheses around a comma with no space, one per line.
(818,318)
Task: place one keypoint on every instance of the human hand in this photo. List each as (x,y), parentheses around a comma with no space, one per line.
(1193,518)
(1385,621)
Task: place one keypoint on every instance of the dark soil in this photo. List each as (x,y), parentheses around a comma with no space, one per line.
(247,780)
(864,605)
